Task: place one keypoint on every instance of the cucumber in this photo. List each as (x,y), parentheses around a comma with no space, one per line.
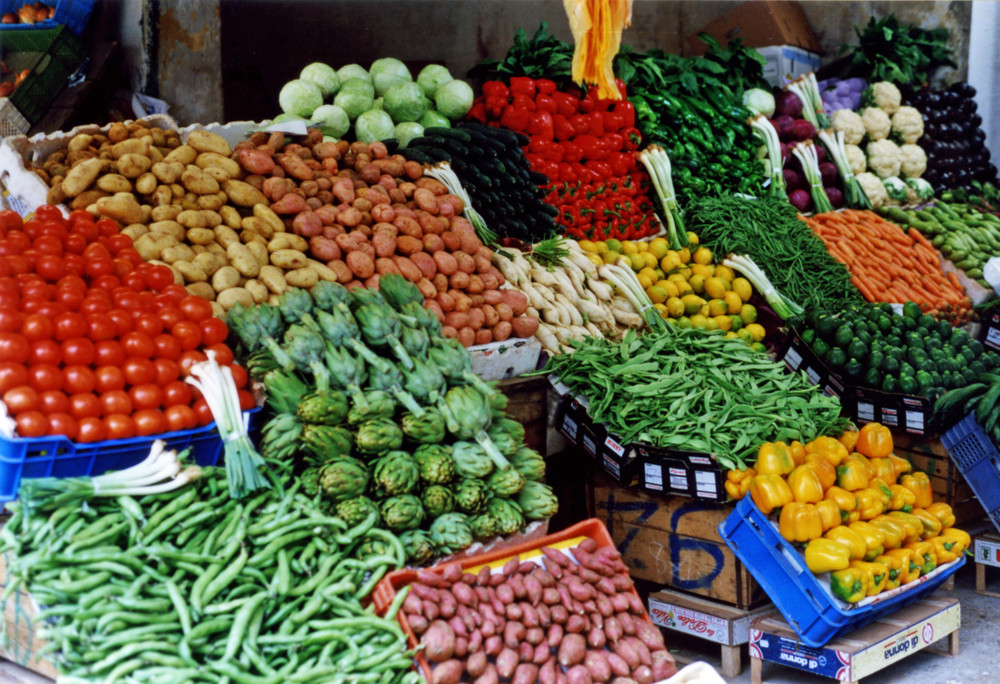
(952,398)
(987,403)
(453,133)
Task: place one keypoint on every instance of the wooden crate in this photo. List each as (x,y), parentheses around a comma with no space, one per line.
(528,405)
(21,644)
(947,482)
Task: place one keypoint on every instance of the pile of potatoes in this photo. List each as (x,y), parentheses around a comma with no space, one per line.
(184,205)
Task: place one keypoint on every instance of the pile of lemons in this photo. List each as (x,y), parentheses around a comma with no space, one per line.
(684,285)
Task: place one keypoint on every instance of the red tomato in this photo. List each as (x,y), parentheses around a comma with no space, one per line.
(51,267)
(213,330)
(139,371)
(78,379)
(128,300)
(70,298)
(167,347)
(122,321)
(106,282)
(75,244)
(138,344)
(45,351)
(119,426)
(13,347)
(48,244)
(98,267)
(32,424)
(167,370)
(37,327)
(202,411)
(75,264)
(21,399)
(87,230)
(196,309)
(95,250)
(62,424)
(100,327)
(134,281)
(159,277)
(108,378)
(188,359)
(223,354)
(146,396)
(187,334)
(85,405)
(11,319)
(17,265)
(170,315)
(176,291)
(10,220)
(12,375)
(107,227)
(109,353)
(246,400)
(49,212)
(91,429)
(50,309)
(118,242)
(180,417)
(70,324)
(116,401)
(177,392)
(149,422)
(72,282)
(239,375)
(148,323)
(53,401)
(78,351)
(133,257)
(45,376)
(19,240)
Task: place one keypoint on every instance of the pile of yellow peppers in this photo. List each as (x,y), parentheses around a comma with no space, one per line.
(862,514)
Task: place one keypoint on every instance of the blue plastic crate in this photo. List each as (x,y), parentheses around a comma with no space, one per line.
(814,614)
(25,457)
(73,14)
(978,460)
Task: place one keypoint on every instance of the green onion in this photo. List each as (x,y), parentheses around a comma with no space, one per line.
(854,194)
(782,305)
(805,152)
(765,130)
(807,90)
(443,173)
(657,163)
(624,279)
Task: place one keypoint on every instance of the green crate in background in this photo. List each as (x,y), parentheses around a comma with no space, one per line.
(52,55)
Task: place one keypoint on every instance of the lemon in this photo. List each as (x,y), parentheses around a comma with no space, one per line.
(702,255)
(756,331)
(629,247)
(704,310)
(697,283)
(685,255)
(643,246)
(748,312)
(699,321)
(614,245)
(717,307)
(683,322)
(733,302)
(650,260)
(742,287)
(711,324)
(650,273)
(692,303)
(684,271)
(677,278)
(723,322)
(611,257)
(645,282)
(701,269)
(692,238)
(659,247)
(715,287)
(636,260)
(731,335)
(670,261)
(745,335)
(725,273)
(657,295)
(669,287)
(675,307)
(596,259)
(602,247)
(588,246)
(758,347)
(659,306)
(737,322)
(683,288)
(660,275)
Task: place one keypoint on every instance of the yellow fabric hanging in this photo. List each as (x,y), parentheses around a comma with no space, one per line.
(597,27)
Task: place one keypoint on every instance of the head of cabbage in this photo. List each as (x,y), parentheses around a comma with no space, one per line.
(300,97)
(454,99)
(353,101)
(434,118)
(407,131)
(358,85)
(332,120)
(375,124)
(323,76)
(353,71)
(405,101)
(387,72)
(432,77)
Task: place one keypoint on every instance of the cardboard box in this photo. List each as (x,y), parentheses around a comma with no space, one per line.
(675,542)
(785,63)
(704,619)
(761,23)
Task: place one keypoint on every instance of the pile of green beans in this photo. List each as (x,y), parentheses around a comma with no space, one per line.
(769,231)
(694,390)
(193,586)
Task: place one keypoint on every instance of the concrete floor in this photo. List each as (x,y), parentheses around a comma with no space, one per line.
(979,644)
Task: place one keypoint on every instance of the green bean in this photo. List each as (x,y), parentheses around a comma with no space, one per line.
(199,585)
(240,624)
(223,579)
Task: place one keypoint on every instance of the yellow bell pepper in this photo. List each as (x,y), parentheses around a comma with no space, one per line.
(960,536)
(849,584)
(829,448)
(882,490)
(902,498)
(798,452)
(873,537)
(946,549)
(849,439)
(854,542)
(884,470)
(805,485)
(874,441)
(869,503)
(892,529)
(877,575)
(895,567)
(826,555)
(825,471)
(932,526)
(864,460)
(923,556)
(846,501)
(920,485)
(909,569)
(914,528)
(829,513)
(774,458)
(738,482)
(900,465)
(769,492)
(943,513)
(851,475)
(800,522)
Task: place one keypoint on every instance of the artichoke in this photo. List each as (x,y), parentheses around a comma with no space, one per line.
(423,319)
(322,443)
(451,533)
(468,414)
(310,481)
(418,546)
(324,409)
(424,382)
(529,463)
(471,460)
(505,483)
(355,511)
(294,304)
(398,291)
(380,326)
(372,547)
(377,404)
(343,478)
(403,512)
(415,340)
(437,500)
(378,436)
(362,296)
(259,328)
(455,362)
(435,463)
(426,429)
(327,295)
(307,350)
(471,495)
(507,434)
(537,501)
(484,526)
(347,371)
(341,330)
(284,390)
(281,437)
(383,375)
(395,473)
(507,514)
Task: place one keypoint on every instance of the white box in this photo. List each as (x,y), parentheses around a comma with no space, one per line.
(786,63)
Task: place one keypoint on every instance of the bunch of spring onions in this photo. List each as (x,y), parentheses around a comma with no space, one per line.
(765,130)
(805,152)
(657,163)
(444,173)
(161,471)
(853,192)
(623,278)
(782,305)
(243,463)
(807,89)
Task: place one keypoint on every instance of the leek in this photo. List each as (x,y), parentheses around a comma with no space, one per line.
(657,163)
(807,90)
(853,192)
(805,152)
(443,173)
(782,305)
(765,130)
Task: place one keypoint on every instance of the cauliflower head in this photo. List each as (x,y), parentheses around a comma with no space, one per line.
(856,158)
(884,158)
(886,96)
(913,161)
(850,123)
(908,123)
(873,188)
(877,123)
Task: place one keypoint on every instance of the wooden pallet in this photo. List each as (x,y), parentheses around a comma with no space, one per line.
(861,653)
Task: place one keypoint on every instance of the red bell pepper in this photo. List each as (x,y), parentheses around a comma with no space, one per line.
(495,89)
(590,146)
(495,105)
(515,118)
(523,101)
(620,84)
(478,112)
(627,111)
(563,128)
(612,121)
(596,120)
(544,103)
(620,162)
(566,104)
(541,126)
(545,86)
(601,168)
(632,137)
(571,152)
(581,124)
(523,85)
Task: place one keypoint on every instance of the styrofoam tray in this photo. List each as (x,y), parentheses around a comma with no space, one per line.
(508,359)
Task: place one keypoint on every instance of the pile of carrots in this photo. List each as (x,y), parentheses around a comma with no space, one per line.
(890,264)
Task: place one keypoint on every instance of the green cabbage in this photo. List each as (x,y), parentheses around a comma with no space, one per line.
(434,118)
(432,77)
(300,97)
(759,101)
(405,101)
(373,125)
(454,99)
(358,85)
(407,131)
(353,102)
(332,120)
(323,76)
(387,72)
(353,71)
(285,116)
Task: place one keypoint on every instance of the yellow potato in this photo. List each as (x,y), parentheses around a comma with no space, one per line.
(197,181)
(133,165)
(265,214)
(205,141)
(226,236)
(81,176)
(255,225)
(230,217)
(200,236)
(184,155)
(81,141)
(259,251)
(213,202)
(206,159)
(171,228)
(288,241)
(301,277)
(192,272)
(191,219)
(114,182)
(130,146)
(243,194)
(165,213)
(122,207)
(168,171)
(135,230)
(201,289)
(146,183)
(257,290)
(243,260)
(225,278)
(234,295)
(273,278)
(323,272)
(289,259)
